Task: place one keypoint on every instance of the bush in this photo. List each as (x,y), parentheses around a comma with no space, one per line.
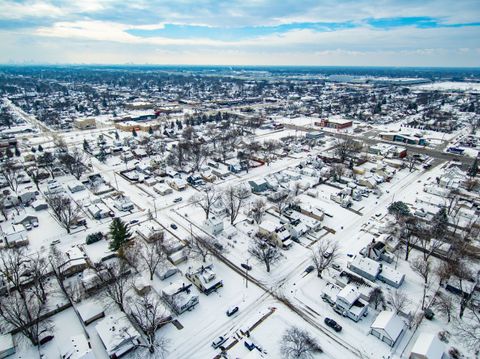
(94,237)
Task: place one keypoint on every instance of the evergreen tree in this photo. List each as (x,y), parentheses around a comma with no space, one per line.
(17,152)
(119,234)
(117,136)
(40,148)
(473,170)
(33,149)
(9,152)
(399,209)
(134,132)
(150,130)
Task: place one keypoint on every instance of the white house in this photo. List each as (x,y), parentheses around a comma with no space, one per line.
(179,296)
(388,327)
(117,334)
(349,302)
(205,279)
(214,225)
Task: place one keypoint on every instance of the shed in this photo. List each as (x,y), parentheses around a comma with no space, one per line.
(427,346)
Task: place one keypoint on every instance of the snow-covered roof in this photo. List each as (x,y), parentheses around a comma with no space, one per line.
(390,323)
(89,310)
(349,294)
(429,346)
(6,342)
(117,333)
(77,348)
(366,264)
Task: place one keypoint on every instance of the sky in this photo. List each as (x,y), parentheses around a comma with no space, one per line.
(246,32)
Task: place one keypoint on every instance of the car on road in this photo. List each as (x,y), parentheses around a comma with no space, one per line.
(246,266)
(309,269)
(173,226)
(333,324)
(336,267)
(232,310)
(178,199)
(219,341)
(133,221)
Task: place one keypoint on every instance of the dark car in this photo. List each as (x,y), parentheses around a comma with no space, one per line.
(246,266)
(231,311)
(173,226)
(309,269)
(333,324)
(45,336)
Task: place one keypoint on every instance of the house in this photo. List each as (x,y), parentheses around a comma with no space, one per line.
(214,225)
(179,296)
(391,276)
(427,346)
(258,186)
(297,228)
(15,236)
(77,348)
(75,187)
(349,302)
(123,204)
(90,312)
(388,327)
(365,267)
(221,171)
(178,184)
(75,263)
(117,334)
(195,180)
(98,210)
(162,189)
(377,251)
(27,221)
(276,232)
(171,245)
(7,347)
(39,205)
(205,279)
(314,135)
(27,197)
(178,257)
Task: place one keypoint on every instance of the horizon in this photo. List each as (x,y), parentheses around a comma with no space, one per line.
(249,33)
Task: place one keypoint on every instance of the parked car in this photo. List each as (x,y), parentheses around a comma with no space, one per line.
(327,299)
(173,226)
(336,267)
(309,269)
(231,311)
(178,199)
(246,266)
(45,336)
(333,324)
(219,341)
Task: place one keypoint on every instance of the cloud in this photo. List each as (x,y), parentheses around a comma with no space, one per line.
(288,31)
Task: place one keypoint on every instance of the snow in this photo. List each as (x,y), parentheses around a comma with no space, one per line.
(390,323)
(428,345)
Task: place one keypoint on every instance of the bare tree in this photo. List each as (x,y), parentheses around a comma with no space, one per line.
(198,153)
(117,281)
(325,254)
(10,172)
(259,208)
(23,312)
(203,247)
(206,199)
(444,304)
(398,299)
(299,344)
(234,198)
(13,262)
(73,162)
(376,297)
(411,162)
(264,251)
(345,148)
(65,210)
(424,269)
(48,161)
(150,314)
(151,255)
(468,330)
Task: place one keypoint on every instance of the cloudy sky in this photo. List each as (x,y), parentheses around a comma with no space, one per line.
(245,32)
